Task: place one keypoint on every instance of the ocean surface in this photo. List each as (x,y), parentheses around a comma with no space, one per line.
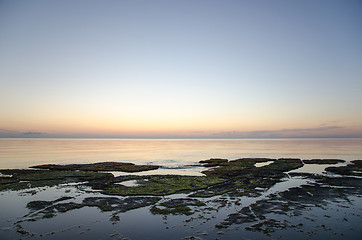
(172,154)
(319,219)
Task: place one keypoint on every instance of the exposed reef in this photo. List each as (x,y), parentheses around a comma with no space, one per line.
(227,182)
(323,161)
(48,209)
(246,167)
(101,166)
(242,178)
(238,177)
(159,185)
(176,206)
(354,169)
(266,215)
(18,179)
(213,162)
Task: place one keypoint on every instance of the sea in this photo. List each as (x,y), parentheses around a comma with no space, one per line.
(328,219)
(169,153)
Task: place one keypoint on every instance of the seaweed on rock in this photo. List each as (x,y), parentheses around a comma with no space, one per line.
(101,166)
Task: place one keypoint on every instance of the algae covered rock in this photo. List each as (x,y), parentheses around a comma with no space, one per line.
(48,209)
(101,166)
(28,178)
(163,185)
(212,162)
(323,161)
(354,169)
(179,206)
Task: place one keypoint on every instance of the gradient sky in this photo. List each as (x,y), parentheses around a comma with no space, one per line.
(224,69)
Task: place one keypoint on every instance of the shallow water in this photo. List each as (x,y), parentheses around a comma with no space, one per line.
(22,153)
(91,223)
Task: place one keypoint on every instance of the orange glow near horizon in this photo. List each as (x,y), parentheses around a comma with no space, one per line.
(167,127)
(167,71)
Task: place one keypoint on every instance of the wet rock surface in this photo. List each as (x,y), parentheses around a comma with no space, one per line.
(323,161)
(181,206)
(37,205)
(102,166)
(213,162)
(354,169)
(293,202)
(27,178)
(120,205)
(48,209)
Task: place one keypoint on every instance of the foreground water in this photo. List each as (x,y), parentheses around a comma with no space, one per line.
(328,219)
(22,153)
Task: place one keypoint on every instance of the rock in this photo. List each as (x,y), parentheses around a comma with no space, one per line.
(323,161)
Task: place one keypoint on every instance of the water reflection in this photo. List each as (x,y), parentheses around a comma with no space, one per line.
(22,153)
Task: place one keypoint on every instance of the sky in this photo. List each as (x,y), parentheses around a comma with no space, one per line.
(181,69)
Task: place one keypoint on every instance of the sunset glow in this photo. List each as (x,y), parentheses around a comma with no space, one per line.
(181,69)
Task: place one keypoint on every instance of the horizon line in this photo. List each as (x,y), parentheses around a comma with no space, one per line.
(182,138)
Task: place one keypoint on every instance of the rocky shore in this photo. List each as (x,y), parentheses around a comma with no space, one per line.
(225,185)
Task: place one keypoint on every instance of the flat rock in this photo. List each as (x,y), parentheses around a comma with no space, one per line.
(101,166)
(323,161)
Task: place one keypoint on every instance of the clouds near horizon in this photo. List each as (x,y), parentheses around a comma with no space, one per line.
(317,132)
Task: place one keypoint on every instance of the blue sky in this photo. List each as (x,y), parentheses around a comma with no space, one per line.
(181,68)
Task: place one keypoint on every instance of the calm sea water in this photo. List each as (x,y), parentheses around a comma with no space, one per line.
(22,153)
(341,219)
